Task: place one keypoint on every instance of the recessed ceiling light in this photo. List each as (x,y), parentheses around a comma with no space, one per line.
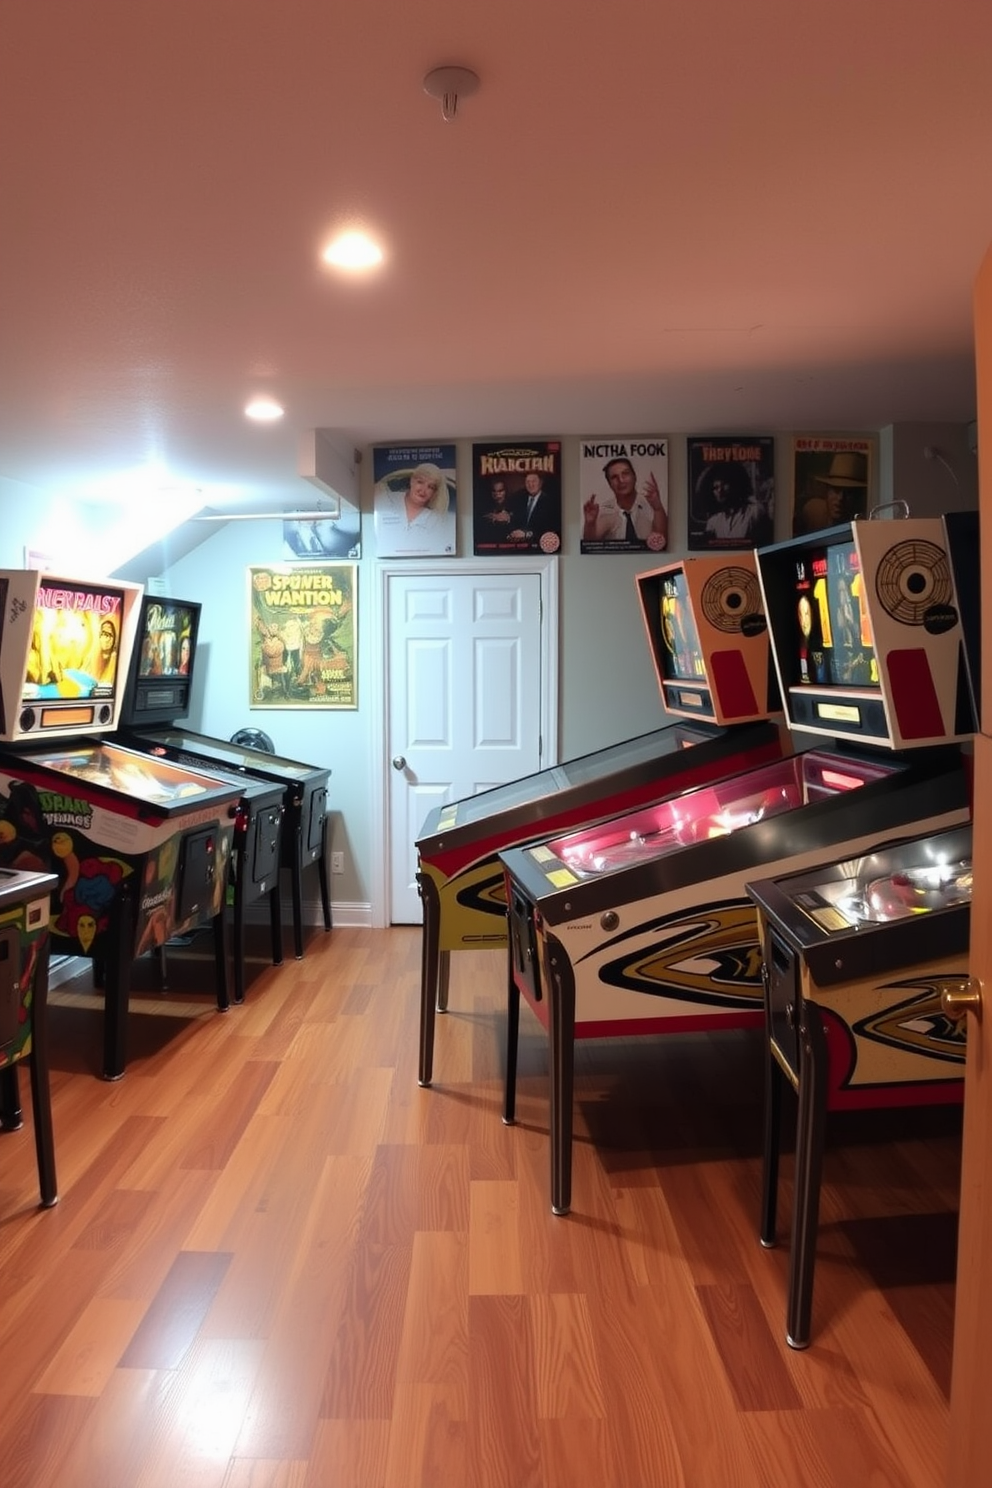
(264,410)
(352,250)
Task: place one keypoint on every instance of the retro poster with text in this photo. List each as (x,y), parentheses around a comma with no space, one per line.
(414,500)
(516,496)
(832,480)
(303,643)
(623,491)
(731,491)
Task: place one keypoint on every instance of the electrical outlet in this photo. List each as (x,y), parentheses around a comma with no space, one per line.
(337,862)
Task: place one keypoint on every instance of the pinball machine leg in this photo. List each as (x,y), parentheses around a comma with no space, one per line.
(512,1038)
(810,1132)
(238,927)
(275,923)
(220,962)
(443,976)
(772,1148)
(325,892)
(116,986)
(41,1096)
(296,886)
(429,973)
(561,1010)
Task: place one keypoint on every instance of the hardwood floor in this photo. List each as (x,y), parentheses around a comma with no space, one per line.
(278,1263)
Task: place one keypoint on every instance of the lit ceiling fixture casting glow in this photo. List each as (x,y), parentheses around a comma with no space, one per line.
(264,410)
(352,250)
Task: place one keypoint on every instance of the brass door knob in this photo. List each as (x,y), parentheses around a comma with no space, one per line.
(962,997)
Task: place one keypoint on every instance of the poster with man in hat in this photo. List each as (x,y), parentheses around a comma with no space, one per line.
(832,481)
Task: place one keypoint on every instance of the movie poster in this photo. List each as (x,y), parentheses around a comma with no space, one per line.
(414,500)
(832,481)
(516,496)
(337,536)
(731,491)
(304,635)
(623,494)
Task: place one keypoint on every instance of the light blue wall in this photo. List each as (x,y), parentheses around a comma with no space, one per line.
(215,573)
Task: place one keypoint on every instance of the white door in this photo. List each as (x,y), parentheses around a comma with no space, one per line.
(464,652)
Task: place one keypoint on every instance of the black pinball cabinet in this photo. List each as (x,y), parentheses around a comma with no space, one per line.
(303,833)
(859,955)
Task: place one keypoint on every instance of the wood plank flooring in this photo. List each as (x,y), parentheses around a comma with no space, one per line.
(278,1263)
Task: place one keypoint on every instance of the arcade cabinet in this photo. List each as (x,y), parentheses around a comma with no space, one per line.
(140,847)
(708,641)
(158,691)
(858,956)
(861,954)
(152,726)
(24,911)
(644,924)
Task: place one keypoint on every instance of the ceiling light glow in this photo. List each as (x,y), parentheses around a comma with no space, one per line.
(264,410)
(352,250)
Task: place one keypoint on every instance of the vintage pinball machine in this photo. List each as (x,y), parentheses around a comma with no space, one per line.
(860,958)
(865,959)
(708,641)
(643,924)
(152,725)
(140,847)
(25,899)
(303,836)
(158,691)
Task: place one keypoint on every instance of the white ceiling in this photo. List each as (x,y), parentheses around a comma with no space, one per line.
(698,216)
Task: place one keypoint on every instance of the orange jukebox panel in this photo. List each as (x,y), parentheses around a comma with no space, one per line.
(708,638)
(867,633)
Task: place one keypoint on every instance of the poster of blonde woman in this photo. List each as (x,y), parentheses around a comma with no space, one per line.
(414,501)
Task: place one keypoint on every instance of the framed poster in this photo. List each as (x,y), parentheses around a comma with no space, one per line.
(832,480)
(516,496)
(623,491)
(731,491)
(414,500)
(303,635)
(338,536)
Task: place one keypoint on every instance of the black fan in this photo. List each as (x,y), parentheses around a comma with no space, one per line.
(251,738)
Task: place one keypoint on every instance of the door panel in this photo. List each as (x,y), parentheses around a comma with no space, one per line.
(972,1371)
(464,700)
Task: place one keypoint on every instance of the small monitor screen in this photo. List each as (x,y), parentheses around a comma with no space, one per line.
(75,641)
(166,638)
(681,655)
(833,629)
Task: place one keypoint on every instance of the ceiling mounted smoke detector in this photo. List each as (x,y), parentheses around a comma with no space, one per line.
(449,84)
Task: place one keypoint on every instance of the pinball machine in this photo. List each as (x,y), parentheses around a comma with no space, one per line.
(643,924)
(25,899)
(303,835)
(139,847)
(858,954)
(708,642)
(865,959)
(158,691)
(157,701)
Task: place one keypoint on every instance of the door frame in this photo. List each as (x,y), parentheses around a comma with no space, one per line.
(547,570)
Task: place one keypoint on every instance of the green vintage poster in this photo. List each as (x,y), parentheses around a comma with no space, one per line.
(303,643)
